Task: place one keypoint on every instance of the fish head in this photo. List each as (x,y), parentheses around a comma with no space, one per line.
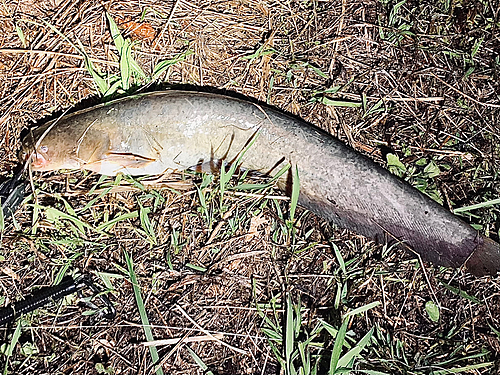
(48,151)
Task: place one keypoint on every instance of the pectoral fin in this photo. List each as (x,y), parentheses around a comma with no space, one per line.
(115,162)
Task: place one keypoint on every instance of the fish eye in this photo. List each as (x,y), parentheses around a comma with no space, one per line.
(44,148)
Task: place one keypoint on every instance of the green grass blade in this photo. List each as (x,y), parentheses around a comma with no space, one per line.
(497,332)
(259,53)
(362,309)
(107,225)
(461,293)
(2,221)
(225,177)
(92,201)
(271,182)
(146,223)
(161,67)
(463,370)
(64,269)
(11,346)
(337,347)
(128,65)
(329,328)
(477,206)
(289,334)
(125,71)
(196,268)
(142,310)
(305,358)
(337,103)
(21,36)
(338,255)
(346,360)
(53,214)
(102,84)
(135,67)
(115,33)
(199,361)
(295,195)
(432,311)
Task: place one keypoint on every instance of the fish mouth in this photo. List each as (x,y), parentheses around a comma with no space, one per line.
(38,161)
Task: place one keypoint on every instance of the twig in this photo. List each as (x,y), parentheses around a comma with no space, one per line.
(238,350)
(40,52)
(215,336)
(464,94)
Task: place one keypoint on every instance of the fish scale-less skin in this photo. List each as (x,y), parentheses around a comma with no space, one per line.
(150,133)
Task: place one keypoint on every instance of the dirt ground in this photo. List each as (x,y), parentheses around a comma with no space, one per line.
(416,79)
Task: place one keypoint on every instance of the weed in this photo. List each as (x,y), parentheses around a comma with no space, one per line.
(388,354)
(142,310)
(421,175)
(303,349)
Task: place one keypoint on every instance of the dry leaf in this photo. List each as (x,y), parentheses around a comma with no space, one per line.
(9,272)
(141,30)
(255,222)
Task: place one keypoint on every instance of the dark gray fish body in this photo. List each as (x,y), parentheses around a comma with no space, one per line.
(150,133)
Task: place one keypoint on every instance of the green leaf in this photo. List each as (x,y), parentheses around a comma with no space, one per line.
(497,332)
(395,165)
(272,334)
(259,53)
(125,71)
(2,221)
(477,45)
(64,269)
(432,310)
(128,65)
(107,225)
(146,224)
(115,33)
(29,349)
(271,182)
(315,69)
(53,214)
(432,170)
(338,255)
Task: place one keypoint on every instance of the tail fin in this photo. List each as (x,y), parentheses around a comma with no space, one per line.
(485,259)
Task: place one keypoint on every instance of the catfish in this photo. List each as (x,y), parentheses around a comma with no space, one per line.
(151,133)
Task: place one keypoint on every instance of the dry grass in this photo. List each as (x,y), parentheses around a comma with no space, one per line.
(427,94)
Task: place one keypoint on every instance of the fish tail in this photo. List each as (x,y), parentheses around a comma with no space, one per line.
(485,259)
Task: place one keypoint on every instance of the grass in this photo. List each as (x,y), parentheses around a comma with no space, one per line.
(303,350)
(142,311)
(379,87)
(393,359)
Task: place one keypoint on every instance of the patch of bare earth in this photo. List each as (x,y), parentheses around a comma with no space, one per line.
(428,78)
